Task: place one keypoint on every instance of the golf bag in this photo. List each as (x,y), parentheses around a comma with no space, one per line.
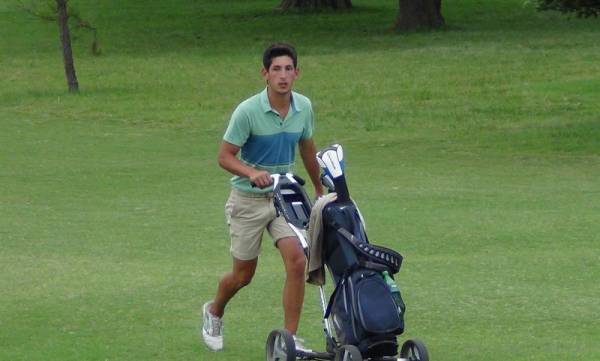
(366,307)
(365,313)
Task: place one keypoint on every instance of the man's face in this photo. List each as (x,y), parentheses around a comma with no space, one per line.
(281,74)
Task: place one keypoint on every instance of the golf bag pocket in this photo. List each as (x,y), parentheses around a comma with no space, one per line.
(376,308)
(363,309)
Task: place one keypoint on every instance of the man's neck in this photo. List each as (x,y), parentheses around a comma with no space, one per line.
(280,102)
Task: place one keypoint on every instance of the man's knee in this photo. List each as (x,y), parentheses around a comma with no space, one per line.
(243,280)
(293,256)
(238,279)
(296,265)
(243,272)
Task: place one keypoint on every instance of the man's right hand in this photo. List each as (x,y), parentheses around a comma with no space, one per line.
(261,178)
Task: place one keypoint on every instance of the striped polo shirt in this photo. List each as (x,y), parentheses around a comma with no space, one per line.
(267,142)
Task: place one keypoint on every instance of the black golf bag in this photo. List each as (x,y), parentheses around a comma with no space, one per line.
(363,308)
(365,312)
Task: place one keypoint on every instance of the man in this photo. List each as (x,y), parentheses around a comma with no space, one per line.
(266,128)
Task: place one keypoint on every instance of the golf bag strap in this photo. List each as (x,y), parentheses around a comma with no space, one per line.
(374,266)
(332,297)
(335,291)
(377,254)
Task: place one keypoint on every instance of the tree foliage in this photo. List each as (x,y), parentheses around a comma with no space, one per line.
(47,10)
(582,8)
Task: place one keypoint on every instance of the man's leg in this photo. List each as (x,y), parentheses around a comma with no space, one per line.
(246,226)
(231,282)
(293,290)
(212,311)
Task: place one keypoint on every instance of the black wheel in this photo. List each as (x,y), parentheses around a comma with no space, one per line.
(281,346)
(414,350)
(348,353)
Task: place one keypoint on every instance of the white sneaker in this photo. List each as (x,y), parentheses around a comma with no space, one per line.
(299,342)
(212,329)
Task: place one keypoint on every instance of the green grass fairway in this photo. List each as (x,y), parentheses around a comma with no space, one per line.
(474,151)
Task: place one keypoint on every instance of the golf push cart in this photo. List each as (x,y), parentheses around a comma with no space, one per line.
(365,309)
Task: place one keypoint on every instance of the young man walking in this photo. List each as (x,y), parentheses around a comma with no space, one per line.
(266,129)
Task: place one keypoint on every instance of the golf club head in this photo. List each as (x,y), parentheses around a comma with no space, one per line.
(331,159)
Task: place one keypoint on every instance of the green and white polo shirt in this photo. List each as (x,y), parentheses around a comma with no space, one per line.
(267,142)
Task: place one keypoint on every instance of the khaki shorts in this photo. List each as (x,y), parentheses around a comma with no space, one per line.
(248,215)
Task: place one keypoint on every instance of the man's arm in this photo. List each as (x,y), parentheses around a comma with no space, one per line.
(229,161)
(308,152)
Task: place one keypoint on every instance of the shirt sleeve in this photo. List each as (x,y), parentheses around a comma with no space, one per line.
(238,130)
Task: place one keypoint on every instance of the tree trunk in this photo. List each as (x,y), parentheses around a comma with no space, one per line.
(315,4)
(419,14)
(65,39)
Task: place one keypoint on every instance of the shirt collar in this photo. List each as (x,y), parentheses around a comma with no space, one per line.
(266,106)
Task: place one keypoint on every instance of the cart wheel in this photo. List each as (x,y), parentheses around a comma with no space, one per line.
(281,346)
(414,350)
(348,353)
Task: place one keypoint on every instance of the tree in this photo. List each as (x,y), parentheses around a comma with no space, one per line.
(419,14)
(314,4)
(65,39)
(58,11)
(582,8)
(412,14)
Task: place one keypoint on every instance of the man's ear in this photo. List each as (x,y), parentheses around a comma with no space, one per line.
(264,72)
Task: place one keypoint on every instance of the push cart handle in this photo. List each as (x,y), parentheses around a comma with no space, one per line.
(298,179)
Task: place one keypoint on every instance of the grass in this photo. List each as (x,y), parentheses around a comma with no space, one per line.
(474,151)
